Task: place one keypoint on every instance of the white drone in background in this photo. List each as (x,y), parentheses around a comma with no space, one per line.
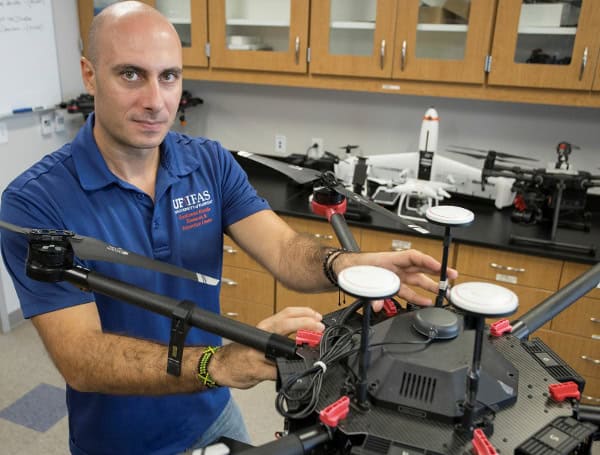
(419,180)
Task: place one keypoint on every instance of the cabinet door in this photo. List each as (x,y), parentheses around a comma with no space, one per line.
(545,44)
(263,35)
(189,17)
(352,37)
(447,42)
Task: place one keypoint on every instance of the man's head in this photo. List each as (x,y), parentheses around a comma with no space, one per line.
(133,70)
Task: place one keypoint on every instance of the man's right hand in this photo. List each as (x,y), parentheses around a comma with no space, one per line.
(235,365)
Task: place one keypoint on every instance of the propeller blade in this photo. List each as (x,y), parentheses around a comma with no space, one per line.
(14,228)
(94,249)
(299,174)
(499,154)
(481,157)
(377,208)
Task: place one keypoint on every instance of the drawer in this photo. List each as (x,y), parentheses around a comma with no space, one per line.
(324,302)
(247,285)
(320,230)
(591,392)
(234,256)
(572,270)
(583,354)
(528,297)
(506,267)
(582,318)
(395,241)
(245,311)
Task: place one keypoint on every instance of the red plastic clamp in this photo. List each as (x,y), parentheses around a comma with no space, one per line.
(389,308)
(335,412)
(563,390)
(308,337)
(500,327)
(481,444)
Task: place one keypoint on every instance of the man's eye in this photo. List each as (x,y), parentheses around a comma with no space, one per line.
(170,77)
(130,75)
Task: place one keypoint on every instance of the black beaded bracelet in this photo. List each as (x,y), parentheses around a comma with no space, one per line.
(328,262)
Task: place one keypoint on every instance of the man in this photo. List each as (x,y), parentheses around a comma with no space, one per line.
(123,179)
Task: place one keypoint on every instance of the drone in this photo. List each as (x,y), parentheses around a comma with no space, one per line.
(417,180)
(425,381)
(548,195)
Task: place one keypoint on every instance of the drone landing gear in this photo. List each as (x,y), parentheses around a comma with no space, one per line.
(479,300)
(447,216)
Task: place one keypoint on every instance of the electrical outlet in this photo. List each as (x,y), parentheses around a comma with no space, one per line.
(59,121)
(280,143)
(318,150)
(47,123)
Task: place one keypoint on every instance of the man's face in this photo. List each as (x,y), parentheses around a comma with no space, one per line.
(136,83)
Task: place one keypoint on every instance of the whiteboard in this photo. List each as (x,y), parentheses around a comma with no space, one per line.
(29,75)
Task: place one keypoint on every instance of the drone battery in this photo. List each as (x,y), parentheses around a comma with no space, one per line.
(563,436)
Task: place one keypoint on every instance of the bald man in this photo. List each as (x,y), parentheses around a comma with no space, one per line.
(129,181)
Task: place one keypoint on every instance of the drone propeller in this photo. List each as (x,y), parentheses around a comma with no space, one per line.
(498,154)
(94,249)
(327,179)
(481,157)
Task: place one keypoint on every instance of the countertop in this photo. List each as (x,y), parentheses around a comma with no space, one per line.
(491,228)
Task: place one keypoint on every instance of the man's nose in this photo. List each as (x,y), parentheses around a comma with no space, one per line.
(152,98)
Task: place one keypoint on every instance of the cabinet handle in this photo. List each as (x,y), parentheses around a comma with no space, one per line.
(231,314)
(596,320)
(324,236)
(403,56)
(229,282)
(297,50)
(382,54)
(508,268)
(590,359)
(584,60)
(229,249)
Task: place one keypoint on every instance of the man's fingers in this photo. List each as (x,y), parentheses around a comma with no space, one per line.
(291,319)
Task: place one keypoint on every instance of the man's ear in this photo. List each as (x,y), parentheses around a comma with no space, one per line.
(88,75)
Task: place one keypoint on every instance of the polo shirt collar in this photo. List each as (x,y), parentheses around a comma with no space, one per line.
(94,173)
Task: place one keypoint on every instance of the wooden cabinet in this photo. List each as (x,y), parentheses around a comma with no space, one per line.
(575,334)
(271,35)
(352,38)
(528,52)
(531,278)
(449,48)
(401,39)
(322,302)
(247,289)
(464,49)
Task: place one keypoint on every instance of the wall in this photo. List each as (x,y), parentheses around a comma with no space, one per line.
(248,117)
(26,144)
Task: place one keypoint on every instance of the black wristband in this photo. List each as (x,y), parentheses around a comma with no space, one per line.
(330,258)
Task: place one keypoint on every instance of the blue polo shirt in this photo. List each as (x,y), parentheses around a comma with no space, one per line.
(200,190)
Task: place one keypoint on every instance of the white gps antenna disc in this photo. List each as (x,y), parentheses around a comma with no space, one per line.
(368,281)
(449,215)
(486,299)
